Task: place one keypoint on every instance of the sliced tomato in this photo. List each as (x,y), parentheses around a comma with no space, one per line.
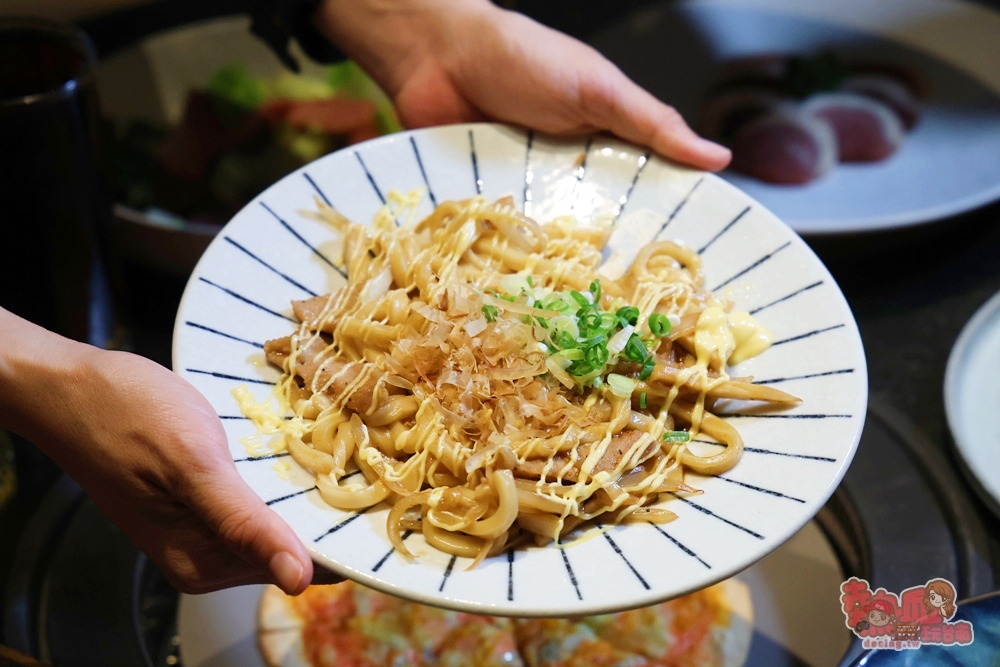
(334,116)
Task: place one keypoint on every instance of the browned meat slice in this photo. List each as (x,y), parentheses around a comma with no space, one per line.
(277,350)
(890,91)
(785,147)
(308,310)
(620,443)
(309,358)
(724,114)
(316,370)
(532,469)
(867,130)
(344,374)
(914,79)
(762,70)
(361,399)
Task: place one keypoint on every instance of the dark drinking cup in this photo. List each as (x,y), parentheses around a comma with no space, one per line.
(53,207)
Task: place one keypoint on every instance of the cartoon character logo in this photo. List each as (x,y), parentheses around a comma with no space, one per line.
(919,615)
(880,615)
(939,598)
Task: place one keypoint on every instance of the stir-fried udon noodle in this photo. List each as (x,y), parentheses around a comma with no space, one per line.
(495,389)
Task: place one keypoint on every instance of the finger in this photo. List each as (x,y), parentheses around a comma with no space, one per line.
(194,559)
(242,575)
(251,529)
(613,102)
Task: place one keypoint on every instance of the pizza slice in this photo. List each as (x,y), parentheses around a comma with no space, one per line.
(348,625)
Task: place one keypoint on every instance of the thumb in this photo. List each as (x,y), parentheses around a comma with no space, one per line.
(251,529)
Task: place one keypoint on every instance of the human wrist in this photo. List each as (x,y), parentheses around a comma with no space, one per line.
(36,367)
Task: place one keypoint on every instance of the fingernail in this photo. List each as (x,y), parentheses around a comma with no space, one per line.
(287,572)
(715,151)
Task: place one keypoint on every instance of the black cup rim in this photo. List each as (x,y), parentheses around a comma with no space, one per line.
(75,37)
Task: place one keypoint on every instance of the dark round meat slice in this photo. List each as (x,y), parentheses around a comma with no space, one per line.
(785,147)
(888,90)
(724,114)
(867,130)
(915,80)
(761,69)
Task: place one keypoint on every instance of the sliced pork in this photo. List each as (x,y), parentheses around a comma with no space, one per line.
(867,130)
(763,69)
(723,115)
(889,90)
(785,147)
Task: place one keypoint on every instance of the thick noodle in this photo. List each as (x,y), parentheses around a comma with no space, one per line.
(491,386)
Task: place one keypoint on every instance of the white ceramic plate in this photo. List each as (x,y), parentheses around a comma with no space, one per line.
(972,400)
(239,294)
(948,164)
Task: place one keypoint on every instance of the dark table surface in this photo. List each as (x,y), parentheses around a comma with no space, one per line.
(912,292)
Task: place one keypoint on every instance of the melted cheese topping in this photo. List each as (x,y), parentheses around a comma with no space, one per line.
(750,335)
(266,418)
(713,339)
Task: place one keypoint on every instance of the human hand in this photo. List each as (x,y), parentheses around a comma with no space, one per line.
(152,454)
(451,61)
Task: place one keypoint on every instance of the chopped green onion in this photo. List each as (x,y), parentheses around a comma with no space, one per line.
(560,302)
(589,319)
(597,355)
(573,354)
(490,313)
(621,386)
(566,340)
(551,302)
(595,289)
(676,436)
(629,313)
(580,299)
(599,339)
(635,350)
(584,338)
(659,325)
(642,401)
(531,283)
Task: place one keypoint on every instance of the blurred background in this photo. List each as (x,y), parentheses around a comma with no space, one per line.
(197,116)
